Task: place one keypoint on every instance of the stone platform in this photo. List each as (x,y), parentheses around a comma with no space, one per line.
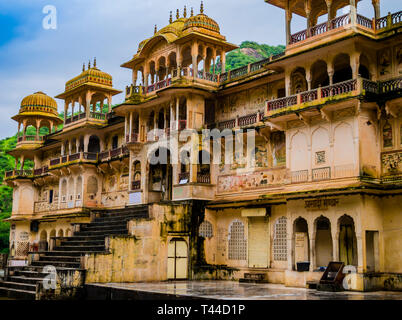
(221,290)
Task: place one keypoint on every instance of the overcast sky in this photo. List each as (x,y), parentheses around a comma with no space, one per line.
(34,59)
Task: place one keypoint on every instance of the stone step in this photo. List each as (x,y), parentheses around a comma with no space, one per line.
(104,233)
(30,274)
(57,264)
(59,259)
(106,227)
(74,242)
(17,294)
(81,248)
(19,286)
(121,211)
(28,280)
(86,238)
(117,219)
(66,253)
(107,223)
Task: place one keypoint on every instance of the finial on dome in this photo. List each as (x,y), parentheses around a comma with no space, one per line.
(89,64)
(156,29)
(202,7)
(83,67)
(192,12)
(95,62)
(171,17)
(185,12)
(177,14)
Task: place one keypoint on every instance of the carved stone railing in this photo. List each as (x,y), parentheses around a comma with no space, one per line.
(248,120)
(393,85)
(19,173)
(132,138)
(203,178)
(30,138)
(321,174)
(299,176)
(227,124)
(313,95)
(344,171)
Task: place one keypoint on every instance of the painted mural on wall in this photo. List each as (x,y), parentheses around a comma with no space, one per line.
(278,142)
(243,103)
(391,163)
(251,180)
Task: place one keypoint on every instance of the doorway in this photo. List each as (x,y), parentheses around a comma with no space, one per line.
(372,252)
(177,259)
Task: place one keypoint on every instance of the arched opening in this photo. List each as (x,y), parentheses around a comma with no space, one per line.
(323,242)
(71,192)
(92,187)
(319,74)
(162,71)
(137,175)
(115,142)
(177,259)
(52,235)
(161,173)
(172,63)
(68,232)
(204,167)
(78,189)
(64,191)
(60,233)
(364,67)
(152,73)
(387,136)
(161,119)
(347,241)
(94,144)
(342,68)
(298,80)
(43,244)
(301,244)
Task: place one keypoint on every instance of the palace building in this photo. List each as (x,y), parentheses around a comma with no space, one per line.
(321,182)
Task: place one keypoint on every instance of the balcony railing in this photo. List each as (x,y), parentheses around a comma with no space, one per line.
(75,118)
(19,173)
(228,124)
(203,178)
(345,20)
(321,174)
(30,138)
(313,95)
(132,138)
(299,176)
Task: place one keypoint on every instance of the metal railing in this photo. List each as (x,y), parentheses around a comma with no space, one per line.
(203,178)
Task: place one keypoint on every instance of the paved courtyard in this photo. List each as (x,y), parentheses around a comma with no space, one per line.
(230,290)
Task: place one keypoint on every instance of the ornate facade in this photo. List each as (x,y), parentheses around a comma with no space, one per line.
(321,183)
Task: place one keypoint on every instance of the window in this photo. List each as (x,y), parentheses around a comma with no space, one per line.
(51,196)
(115,142)
(237,242)
(280,240)
(206,229)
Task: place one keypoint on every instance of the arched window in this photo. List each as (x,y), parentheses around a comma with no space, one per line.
(205,229)
(78,188)
(92,187)
(237,242)
(64,191)
(280,240)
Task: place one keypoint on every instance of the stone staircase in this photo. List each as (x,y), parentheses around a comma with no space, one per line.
(25,282)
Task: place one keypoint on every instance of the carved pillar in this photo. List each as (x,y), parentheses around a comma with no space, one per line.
(87,104)
(223,61)
(330,71)
(65,110)
(329,11)
(288,16)
(307,8)
(177,112)
(377,9)
(308,77)
(353,12)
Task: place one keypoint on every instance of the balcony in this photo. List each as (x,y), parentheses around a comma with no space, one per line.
(97,116)
(238,122)
(29,140)
(370,25)
(204,178)
(337,91)
(13,174)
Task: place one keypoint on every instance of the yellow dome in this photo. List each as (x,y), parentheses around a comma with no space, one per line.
(202,21)
(93,75)
(38,102)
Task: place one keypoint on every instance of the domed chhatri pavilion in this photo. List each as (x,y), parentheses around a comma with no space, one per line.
(319,180)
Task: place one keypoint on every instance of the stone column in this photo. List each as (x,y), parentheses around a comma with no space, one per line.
(109,102)
(329,10)
(223,61)
(308,78)
(177,112)
(355,64)
(311,235)
(330,71)
(72,109)
(87,105)
(65,110)
(353,12)
(130,126)
(377,9)
(134,77)
(288,17)
(307,8)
